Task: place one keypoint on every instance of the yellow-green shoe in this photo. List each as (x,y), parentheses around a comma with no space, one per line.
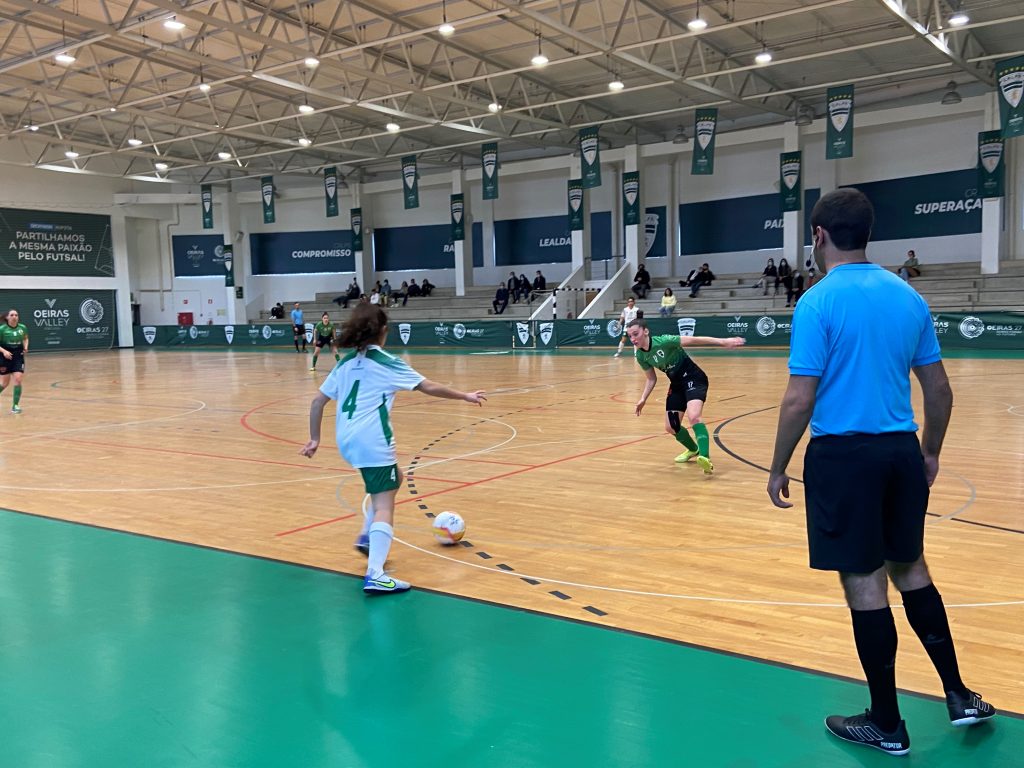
(705,464)
(685,456)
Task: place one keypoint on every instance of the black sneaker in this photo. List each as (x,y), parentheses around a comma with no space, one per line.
(969,709)
(860,730)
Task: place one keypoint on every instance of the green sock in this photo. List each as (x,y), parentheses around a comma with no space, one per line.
(683,436)
(1,387)
(17,393)
(315,356)
(337,357)
(703,443)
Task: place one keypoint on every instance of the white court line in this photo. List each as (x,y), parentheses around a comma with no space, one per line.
(670,595)
(175,489)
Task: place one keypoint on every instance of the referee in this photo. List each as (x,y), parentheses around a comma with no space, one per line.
(856,336)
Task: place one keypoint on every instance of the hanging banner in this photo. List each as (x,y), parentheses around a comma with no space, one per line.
(228,255)
(590,159)
(206,199)
(790,196)
(458,224)
(267,193)
(839,127)
(705,123)
(356,217)
(575,205)
(1010,79)
(631,198)
(410,182)
(991,169)
(489,163)
(331,191)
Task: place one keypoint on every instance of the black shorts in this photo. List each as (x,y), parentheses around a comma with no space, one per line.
(866,500)
(299,330)
(15,365)
(691,385)
(323,341)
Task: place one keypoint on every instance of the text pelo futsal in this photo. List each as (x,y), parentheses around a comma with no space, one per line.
(50,246)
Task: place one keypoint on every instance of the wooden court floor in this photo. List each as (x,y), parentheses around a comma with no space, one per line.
(574,506)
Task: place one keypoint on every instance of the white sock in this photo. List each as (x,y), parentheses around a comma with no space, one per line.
(381,535)
(367,518)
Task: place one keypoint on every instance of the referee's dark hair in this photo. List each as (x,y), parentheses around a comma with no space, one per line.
(847,215)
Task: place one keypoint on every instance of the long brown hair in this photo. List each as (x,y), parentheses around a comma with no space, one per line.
(363,326)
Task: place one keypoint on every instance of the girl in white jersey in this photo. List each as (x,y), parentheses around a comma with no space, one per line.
(629,314)
(364,383)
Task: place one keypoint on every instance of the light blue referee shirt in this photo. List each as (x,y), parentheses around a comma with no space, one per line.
(296,317)
(860,329)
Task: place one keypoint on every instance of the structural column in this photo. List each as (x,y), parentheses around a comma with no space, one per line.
(230,225)
(364,258)
(634,232)
(119,247)
(580,239)
(463,248)
(992,208)
(793,221)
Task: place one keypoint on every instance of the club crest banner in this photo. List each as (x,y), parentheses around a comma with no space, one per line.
(705,122)
(575,189)
(410,182)
(267,195)
(356,217)
(839,127)
(790,195)
(489,164)
(991,168)
(331,191)
(458,209)
(590,158)
(1010,81)
(206,200)
(631,197)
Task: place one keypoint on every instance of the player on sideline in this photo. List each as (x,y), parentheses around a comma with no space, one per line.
(13,347)
(298,328)
(688,384)
(364,383)
(629,314)
(323,336)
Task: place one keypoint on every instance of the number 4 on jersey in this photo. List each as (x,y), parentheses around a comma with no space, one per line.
(349,404)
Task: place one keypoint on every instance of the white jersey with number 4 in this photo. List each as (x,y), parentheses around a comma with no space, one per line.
(364,384)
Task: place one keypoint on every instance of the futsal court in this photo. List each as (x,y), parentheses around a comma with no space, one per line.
(179,585)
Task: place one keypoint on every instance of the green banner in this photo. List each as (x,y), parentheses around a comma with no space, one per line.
(458,211)
(489,176)
(444,333)
(267,197)
(331,191)
(212,335)
(839,126)
(631,198)
(989,330)
(590,158)
(410,182)
(51,244)
(523,335)
(59,319)
(206,203)
(228,256)
(705,124)
(575,194)
(1010,80)
(790,194)
(991,168)
(356,217)
(546,335)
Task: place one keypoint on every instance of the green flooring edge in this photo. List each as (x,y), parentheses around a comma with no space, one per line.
(128,650)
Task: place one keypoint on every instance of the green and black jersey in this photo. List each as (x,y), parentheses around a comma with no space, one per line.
(13,339)
(324,330)
(666,355)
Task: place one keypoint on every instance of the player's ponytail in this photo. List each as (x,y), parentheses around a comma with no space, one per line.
(363,326)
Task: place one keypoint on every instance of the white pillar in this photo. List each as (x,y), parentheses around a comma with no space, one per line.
(634,232)
(793,221)
(674,239)
(580,239)
(231,231)
(992,208)
(463,248)
(364,258)
(122,284)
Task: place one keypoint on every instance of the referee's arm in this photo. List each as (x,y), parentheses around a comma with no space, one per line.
(794,416)
(938,405)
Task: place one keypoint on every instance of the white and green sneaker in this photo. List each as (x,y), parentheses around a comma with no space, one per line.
(382,584)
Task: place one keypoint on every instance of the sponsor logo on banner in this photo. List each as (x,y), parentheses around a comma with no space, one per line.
(705,132)
(91,311)
(229,333)
(207,198)
(266,332)
(651,222)
(457,207)
(441,331)
(523,330)
(791,173)
(737,325)
(686,326)
(591,328)
(409,174)
(588,146)
(149,333)
(459,331)
(309,332)
(839,113)
(490,162)
(576,198)
(941,326)
(765,326)
(50,302)
(404,332)
(1012,86)
(991,152)
(268,192)
(331,186)
(631,190)
(357,222)
(193,332)
(546,329)
(614,328)
(971,327)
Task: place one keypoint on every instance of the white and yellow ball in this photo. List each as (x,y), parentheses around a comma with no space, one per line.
(449,528)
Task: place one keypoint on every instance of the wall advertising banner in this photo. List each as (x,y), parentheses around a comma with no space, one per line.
(426,247)
(301,253)
(65,319)
(444,333)
(198,255)
(51,244)
(738,224)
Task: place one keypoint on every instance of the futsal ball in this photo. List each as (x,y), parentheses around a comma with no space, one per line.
(449,528)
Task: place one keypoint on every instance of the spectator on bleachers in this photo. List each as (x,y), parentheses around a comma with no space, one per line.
(703,277)
(414,290)
(353,292)
(770,273)
(688,280)
(785,276)
(375,297)
(512,284)
(500,299)
(277,312)
(796,288)
(402,293)
(668,302)
(427,287)
(911,267)
(385,292)
(539,284)
(523,286)
(642,282)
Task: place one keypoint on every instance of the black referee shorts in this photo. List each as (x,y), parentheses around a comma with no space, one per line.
(866,501)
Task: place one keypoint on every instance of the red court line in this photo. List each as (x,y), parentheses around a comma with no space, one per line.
(316,525)
(244,420)
(419,496)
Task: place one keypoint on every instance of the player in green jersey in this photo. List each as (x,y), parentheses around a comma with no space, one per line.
(323,335)
(688,385)
(13,346)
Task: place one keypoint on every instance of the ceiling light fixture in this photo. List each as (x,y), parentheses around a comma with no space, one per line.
(494,107)
(304,141)
(764,57)
(224,155)
(680,137)
(616,84)
(133,142)
(33,127)
(393,127)
(697,24)
(312,62)
(113,109)
(804,116)
(205,87)
(959,17)
(173,24)
(161,166)
(951,96)
(306,109)
(446,29)
(64,58)
(71,154)
(539,60)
